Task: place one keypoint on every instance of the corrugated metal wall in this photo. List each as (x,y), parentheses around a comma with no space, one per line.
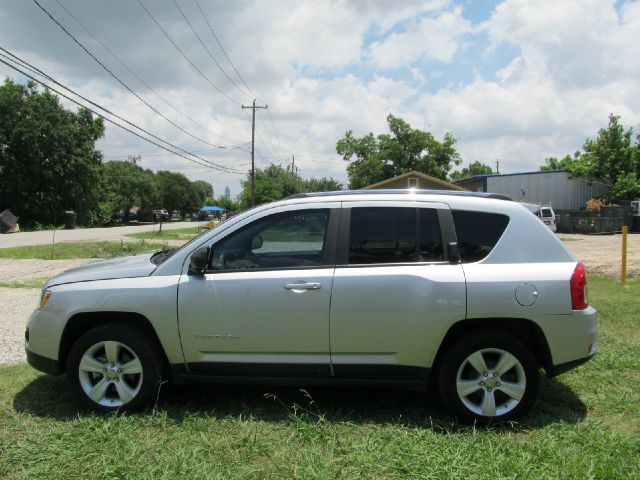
(561,190)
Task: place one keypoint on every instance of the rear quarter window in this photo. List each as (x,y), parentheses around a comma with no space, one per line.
(477,233)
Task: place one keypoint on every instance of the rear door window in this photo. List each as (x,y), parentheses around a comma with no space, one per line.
(477,233)
(394,235)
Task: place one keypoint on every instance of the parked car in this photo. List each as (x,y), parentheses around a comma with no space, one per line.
(465,292)
(161,214)
(546,214)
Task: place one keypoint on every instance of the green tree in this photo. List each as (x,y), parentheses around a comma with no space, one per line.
(48,160)
(612,156)
(272,183)
(373,159)
(201,191)
(126,185)
(324,184)
(475,168)
(176,192)
(223,202)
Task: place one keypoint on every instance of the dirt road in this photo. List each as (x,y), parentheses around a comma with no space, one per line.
(113,233)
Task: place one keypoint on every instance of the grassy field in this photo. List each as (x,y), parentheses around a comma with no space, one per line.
(585,424)
(63,251)
(176,234)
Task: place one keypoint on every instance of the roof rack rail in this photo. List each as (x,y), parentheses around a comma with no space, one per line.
(455,193)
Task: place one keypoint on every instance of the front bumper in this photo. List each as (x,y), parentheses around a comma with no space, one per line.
(44,364)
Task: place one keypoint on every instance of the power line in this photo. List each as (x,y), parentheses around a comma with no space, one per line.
(225,53)
(132,72)
(118,79)
(207,50)
(184,54)
(213,33)
(276,132)
(14,58)
(207,164)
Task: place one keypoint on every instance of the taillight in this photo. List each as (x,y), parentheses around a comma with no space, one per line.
(579,288)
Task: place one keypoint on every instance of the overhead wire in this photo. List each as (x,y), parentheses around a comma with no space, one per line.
(86,50)
(141,80)
(213,33)
(208,51)
(215,37)
(185,55)
(206,163)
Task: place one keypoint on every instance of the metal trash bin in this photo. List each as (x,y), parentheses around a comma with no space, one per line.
(8,222)
(70,218)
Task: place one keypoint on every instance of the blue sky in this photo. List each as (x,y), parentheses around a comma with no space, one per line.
(514,80)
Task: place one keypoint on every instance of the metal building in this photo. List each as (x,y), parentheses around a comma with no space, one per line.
(558,188)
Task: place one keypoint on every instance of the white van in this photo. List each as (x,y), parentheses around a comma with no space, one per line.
(546,214)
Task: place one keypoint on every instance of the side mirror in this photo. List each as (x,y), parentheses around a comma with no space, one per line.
(199,261)
(256,242)
(453,252)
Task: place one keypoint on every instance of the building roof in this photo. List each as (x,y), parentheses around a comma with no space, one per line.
(424,176)
(486,175)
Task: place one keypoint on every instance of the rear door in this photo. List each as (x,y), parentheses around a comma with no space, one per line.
(395,292)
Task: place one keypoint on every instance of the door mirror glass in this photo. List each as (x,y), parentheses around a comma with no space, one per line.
(256,242)
(199,261)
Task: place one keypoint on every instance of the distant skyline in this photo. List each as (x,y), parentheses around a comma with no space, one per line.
(514,81)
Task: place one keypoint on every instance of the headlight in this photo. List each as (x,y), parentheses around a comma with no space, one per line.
(45,297)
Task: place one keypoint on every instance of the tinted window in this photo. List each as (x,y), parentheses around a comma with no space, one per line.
(394,235)
(546,212)
(283,240)
(478,233)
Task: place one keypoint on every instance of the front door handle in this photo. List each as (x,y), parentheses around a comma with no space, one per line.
(302,286)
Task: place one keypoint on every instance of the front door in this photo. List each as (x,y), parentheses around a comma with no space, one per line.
(262,309)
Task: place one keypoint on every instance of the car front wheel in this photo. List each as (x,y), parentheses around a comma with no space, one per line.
(114,367)
(488,377)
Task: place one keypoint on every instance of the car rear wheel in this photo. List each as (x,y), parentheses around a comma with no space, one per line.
(114,367)
(488,376)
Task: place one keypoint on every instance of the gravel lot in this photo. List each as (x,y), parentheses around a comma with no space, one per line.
(600,253)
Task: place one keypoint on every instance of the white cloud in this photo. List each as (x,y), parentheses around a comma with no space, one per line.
(434,38)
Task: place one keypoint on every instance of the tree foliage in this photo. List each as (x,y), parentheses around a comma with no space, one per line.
(201,190)
(276,182)
(404,149)
(475,168)
(48,160)
(613,156)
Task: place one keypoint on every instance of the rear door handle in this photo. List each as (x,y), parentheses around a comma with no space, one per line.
(302,286)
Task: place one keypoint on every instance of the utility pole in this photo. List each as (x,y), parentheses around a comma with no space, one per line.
(497,166)
(253,139)
(293,163)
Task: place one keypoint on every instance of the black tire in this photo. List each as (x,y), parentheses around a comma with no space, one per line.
(490,343)
(131,344)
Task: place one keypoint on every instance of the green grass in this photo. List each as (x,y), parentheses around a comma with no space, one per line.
(176,234)
(32,283)
(585,424)
(63,251)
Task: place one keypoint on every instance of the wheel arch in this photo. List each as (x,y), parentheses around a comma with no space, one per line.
(527,331)
(81,323)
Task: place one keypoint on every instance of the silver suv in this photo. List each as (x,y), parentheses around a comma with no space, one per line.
(464,291)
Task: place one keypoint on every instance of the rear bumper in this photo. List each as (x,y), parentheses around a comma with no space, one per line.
(44,364)
(565,367)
